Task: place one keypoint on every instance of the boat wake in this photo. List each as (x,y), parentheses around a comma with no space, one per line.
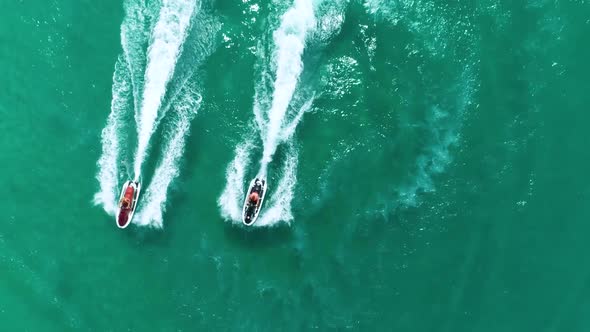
(108,172)
(165,47)
(155,197)
(231,199)
(152,41)
(278,206)
(277,117)
(289,42)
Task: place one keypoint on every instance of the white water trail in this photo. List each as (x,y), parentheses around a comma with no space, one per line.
(107,175)
(166,43)
(279,204)
(232,197)
(289,129)
(289,41)
(276,125)
(153,204)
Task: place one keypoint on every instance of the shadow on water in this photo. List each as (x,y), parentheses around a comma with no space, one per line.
(258,237)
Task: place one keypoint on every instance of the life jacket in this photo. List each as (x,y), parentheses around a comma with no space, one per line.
(129,193)
(254,198)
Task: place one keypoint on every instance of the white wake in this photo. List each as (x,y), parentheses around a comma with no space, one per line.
(166,43)
(289,41)
(139,85)
(278,208)
(108,163)
(232,197)
(277,124)
(153,203)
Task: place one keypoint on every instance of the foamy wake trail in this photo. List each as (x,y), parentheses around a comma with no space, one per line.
(283,194)
(289,129)
(107,164)
(153,204)
(278,207)
(277,125)
(166,43)
(278,202)
(289,42)
(231,199)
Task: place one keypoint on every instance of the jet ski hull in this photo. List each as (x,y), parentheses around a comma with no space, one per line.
(137,188)
(250,213)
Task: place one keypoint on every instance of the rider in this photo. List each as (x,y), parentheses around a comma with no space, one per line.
(126,200)
(125,203)
(253,198)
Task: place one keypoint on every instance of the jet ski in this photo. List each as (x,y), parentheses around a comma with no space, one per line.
(127,203)
(253,201)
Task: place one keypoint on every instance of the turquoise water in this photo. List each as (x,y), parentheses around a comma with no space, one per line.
(425,163)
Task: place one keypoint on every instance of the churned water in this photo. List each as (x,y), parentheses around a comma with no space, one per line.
(425,164)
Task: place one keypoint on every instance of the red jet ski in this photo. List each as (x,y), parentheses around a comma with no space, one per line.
(127,203)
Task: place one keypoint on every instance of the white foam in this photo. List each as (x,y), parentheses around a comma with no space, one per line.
(289,129)
(166,42)
(289,41)
(278,207)
(153,204)
(232,197)
(107,175)
(330,16)
(276,125)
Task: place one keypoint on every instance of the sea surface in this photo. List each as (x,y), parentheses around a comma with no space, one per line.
(426,163)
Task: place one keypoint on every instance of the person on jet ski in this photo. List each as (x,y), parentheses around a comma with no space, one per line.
(125,203)
(253,198)
(126,200)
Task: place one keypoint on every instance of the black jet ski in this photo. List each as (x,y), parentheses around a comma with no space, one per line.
(127,203)
(253,202)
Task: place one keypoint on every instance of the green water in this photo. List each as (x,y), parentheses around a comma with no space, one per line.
(437,179)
